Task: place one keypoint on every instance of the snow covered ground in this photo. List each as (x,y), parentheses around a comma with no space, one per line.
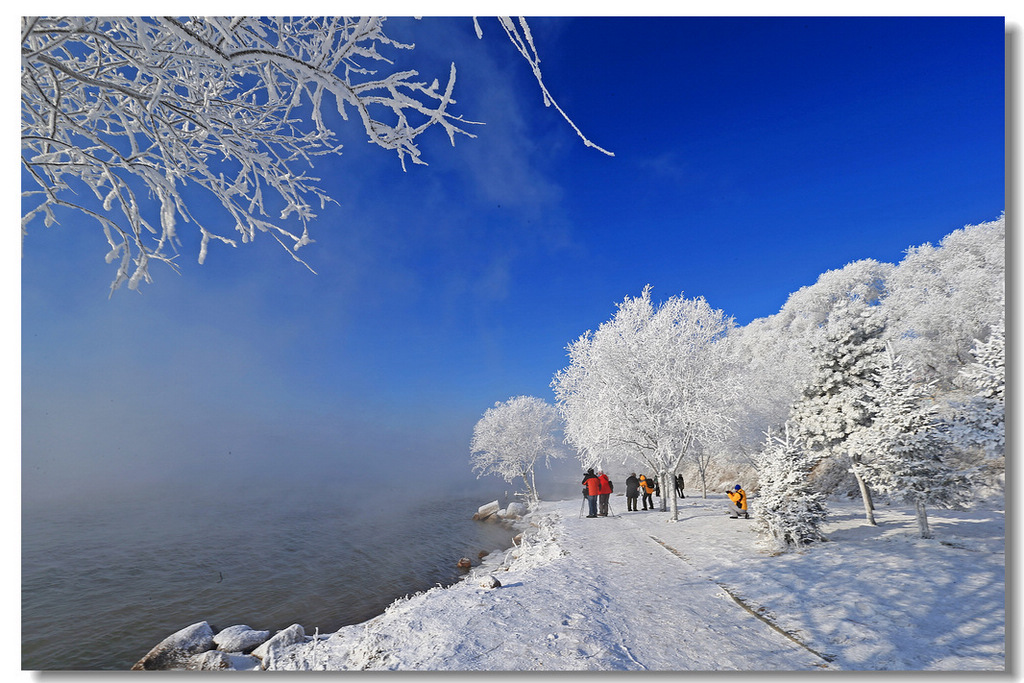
(636,592)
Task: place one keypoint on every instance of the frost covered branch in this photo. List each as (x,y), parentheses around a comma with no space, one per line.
(137,109)
(524,43)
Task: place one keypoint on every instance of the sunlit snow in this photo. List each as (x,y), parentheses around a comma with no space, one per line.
(635,592)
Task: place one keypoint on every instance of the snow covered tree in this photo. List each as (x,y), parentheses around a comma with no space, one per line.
(773,355)
(981,421)
(808,312)
(512,437)
(940,299)
(702,459)
(773,368)
(789,511)
(839,399)
(907,448)
(134,110)
(649,383)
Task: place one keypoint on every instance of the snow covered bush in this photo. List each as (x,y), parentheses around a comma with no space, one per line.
(833,476)
(907,462)
(512,437)
(788,511)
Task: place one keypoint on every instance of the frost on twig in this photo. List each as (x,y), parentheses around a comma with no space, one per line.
(523,40)
(143,109)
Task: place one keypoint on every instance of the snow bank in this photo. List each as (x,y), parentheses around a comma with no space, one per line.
(635,592)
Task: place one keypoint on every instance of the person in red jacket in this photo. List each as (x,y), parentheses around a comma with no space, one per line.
(603,492)
(591,489)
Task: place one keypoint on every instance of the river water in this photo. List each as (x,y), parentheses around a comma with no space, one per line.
(104,581)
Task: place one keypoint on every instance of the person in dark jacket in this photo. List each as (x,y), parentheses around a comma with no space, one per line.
(679,486)
(603,493)
(591,488)
(632,491)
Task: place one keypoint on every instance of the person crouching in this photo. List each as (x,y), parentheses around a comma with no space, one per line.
(738,508)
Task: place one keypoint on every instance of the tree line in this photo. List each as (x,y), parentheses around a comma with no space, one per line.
(877,380)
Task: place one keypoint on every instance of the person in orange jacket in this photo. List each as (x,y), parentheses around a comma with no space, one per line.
(591,489)
(739,499)
(603,492)
(646,489)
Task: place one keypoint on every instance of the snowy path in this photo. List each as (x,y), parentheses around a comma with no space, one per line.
(634,605)
(684,621)
(637,592)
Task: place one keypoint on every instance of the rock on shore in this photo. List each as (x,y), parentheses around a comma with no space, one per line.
(492,512)
(240,648)
(236,648)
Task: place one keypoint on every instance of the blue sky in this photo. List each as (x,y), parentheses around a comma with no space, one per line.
(751,155)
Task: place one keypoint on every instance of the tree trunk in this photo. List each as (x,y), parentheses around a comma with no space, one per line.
(865,494)
(922,519)
(664,491)
(674,469)
(531,492)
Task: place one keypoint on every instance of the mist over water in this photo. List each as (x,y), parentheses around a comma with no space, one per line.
(105,578)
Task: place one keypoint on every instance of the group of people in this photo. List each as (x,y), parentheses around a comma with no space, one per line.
(597,488)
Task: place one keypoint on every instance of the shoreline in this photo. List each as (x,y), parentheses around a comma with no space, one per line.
(200,645)
(636,592)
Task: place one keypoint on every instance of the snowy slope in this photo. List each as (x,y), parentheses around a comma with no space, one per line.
(635,592)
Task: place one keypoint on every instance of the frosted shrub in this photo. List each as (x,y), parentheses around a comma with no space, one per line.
(834,477)
(788,511)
